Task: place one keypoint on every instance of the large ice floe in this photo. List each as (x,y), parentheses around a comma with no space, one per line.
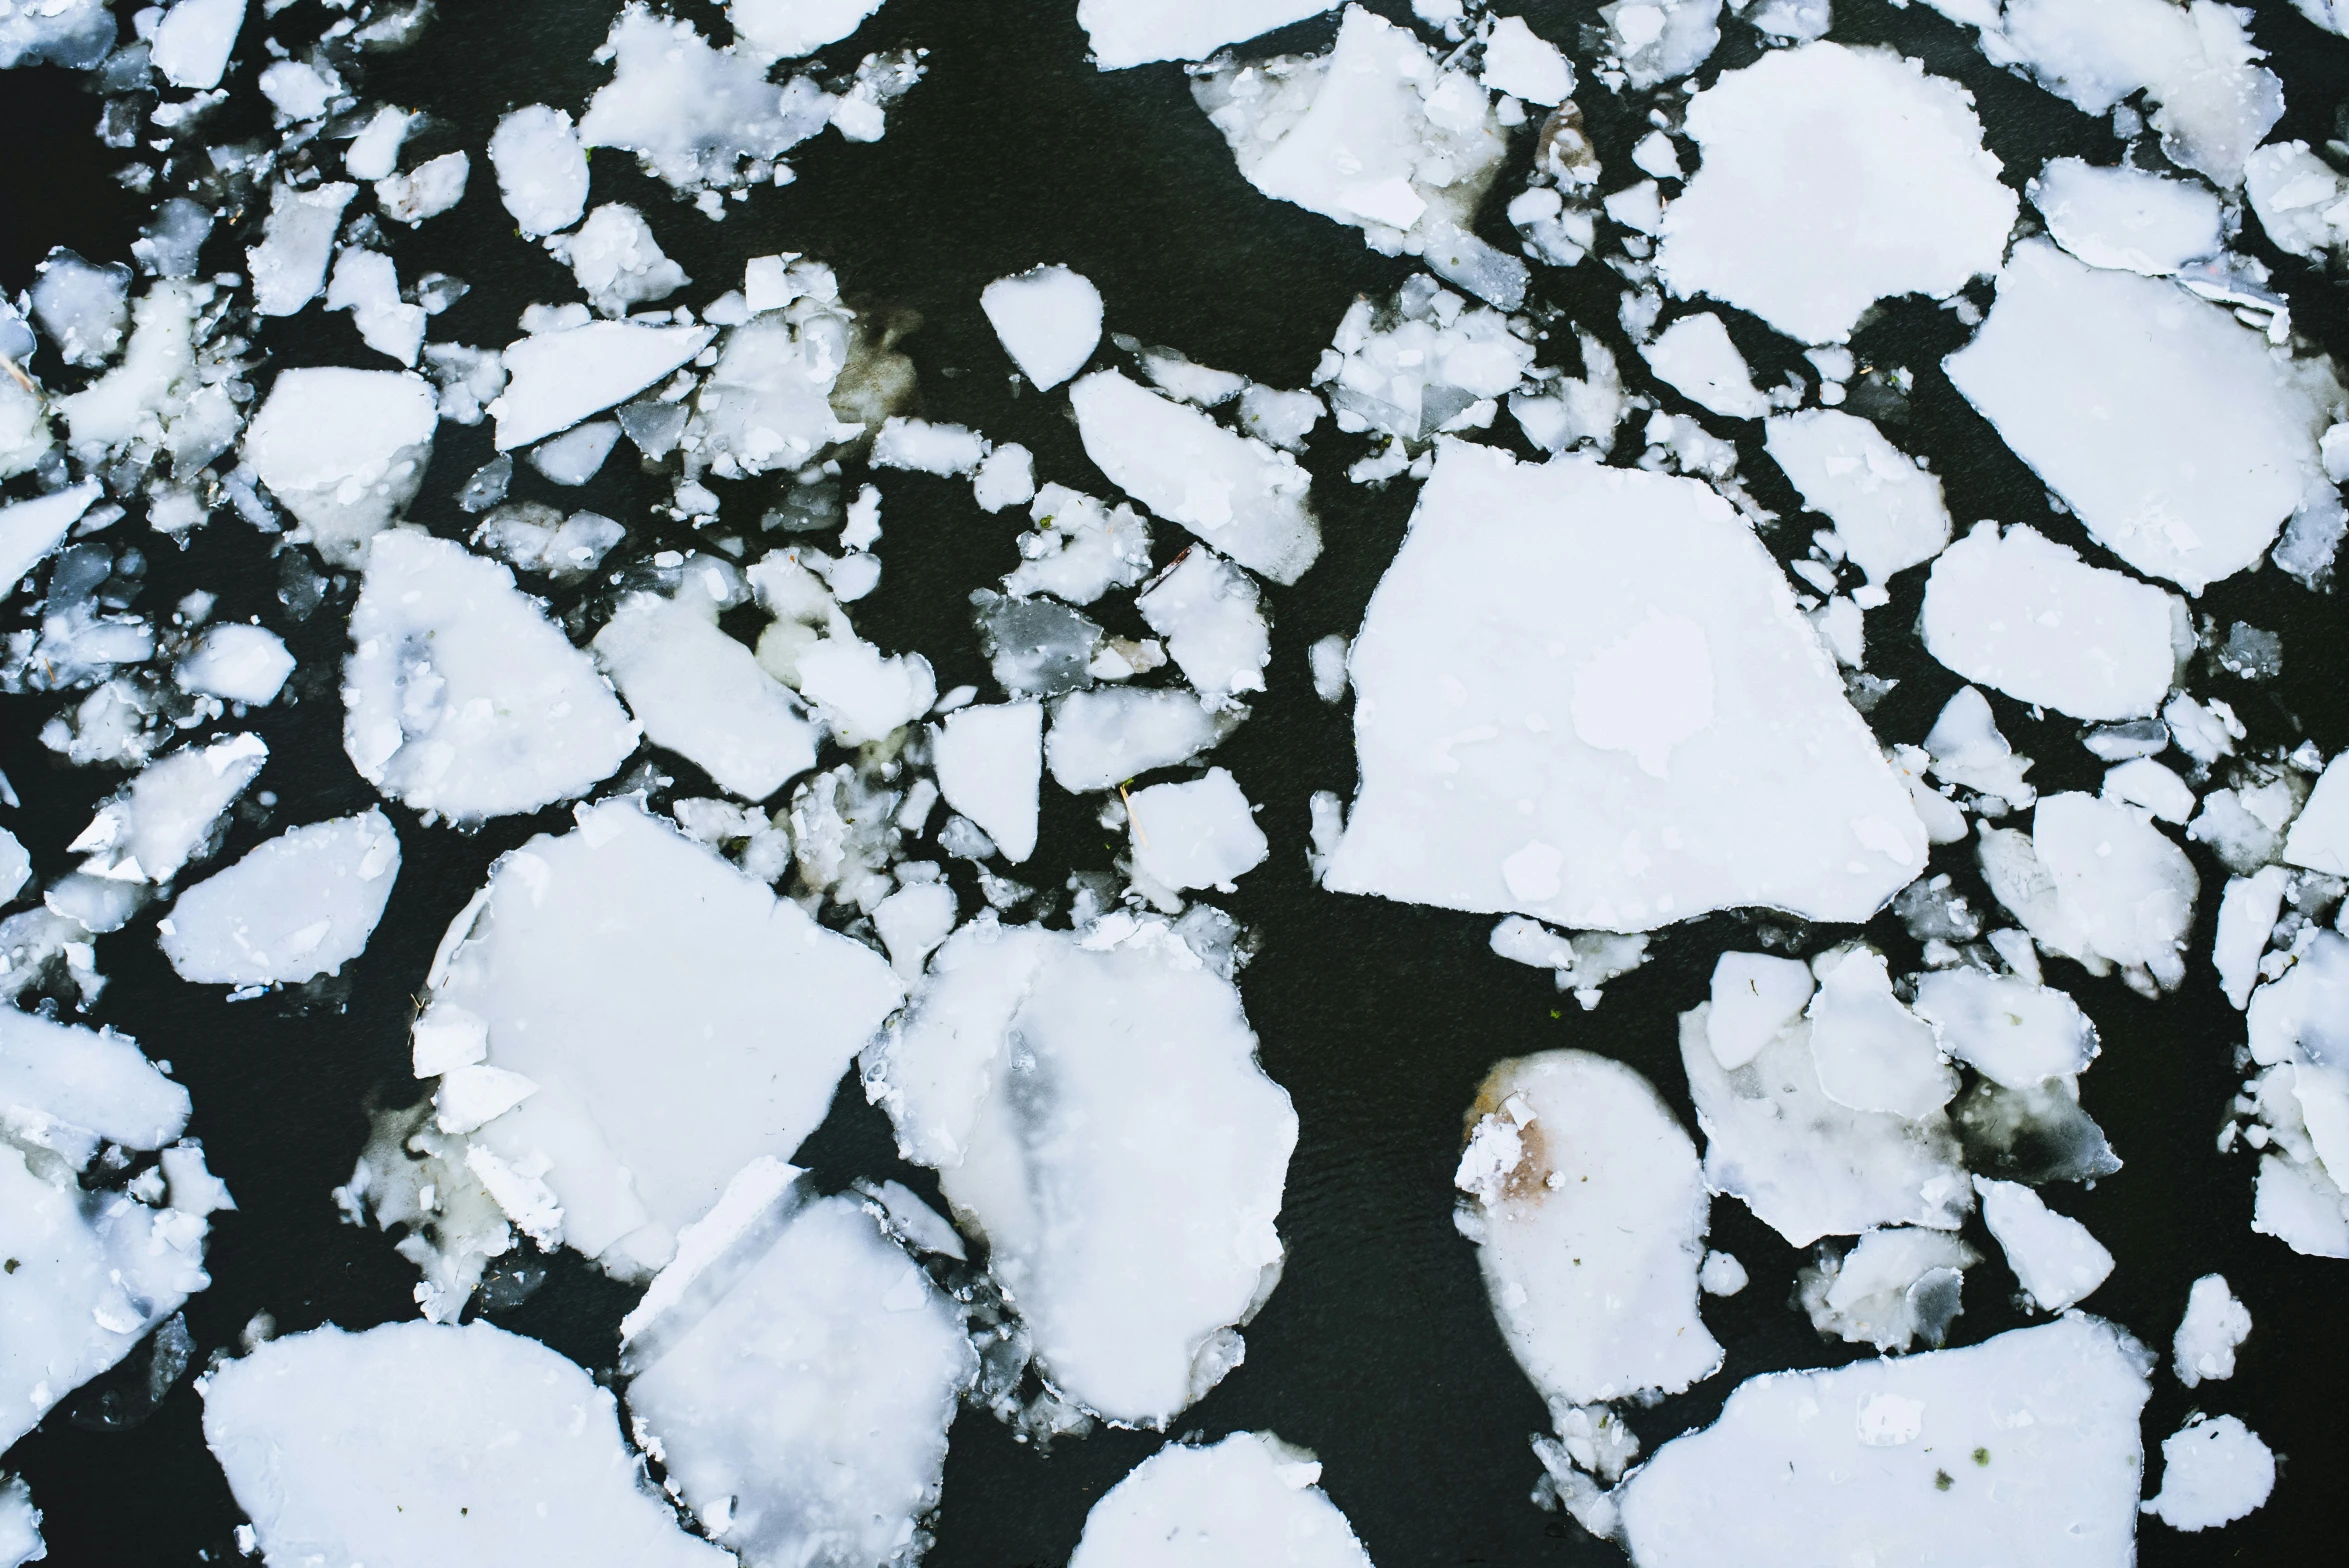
(1133,1248)
(426,1445)
(1585,694)
(1251,1501)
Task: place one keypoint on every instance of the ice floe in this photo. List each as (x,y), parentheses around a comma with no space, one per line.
(2053,1256)
(2127,218)
(1048,320)
(1251,1501)
(1199,833)
(1209,613)
(701,694)
(1101,738)
(555,379)
(298,906)
(990,767)
(2214,1327)
(1890,1289)
(171,813)
(1126,33)
(2213,1472)
(344,451)
(2095,881)
(1887,510)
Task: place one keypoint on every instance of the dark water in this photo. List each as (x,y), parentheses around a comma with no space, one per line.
(1378,1349)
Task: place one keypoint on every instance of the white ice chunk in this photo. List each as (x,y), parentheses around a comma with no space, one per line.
(2035,1432)
(2014,1032)
(2181,439)
(584,947)
(1589,1210)
(461,697)
(81,308)
(87,1085)
(16,866)
(1754,997)
(167,815)
(29,530)
(566,550)
(1585,694)
(1831,178)
(2054,1257)
(1888,512)
(1871,1053)
(692,114)
(946,450)
(799,1390)
(1101,738)
(912,922)
(2246,917)
(766,404)
(1695,358)
(1520,62)
(422,1445)
(289,265)
(556,379)
(701,694)
(1005,478)
(2214,1325)
(426,191)
(1048,319)
(1433,363)
(577,455)
(1243,497)
(2319,840)
(990,763)
(344,451)
(1888,1290)
(300,905)
(2213,1472)
(367,285)
(1136,32)
(375,152)
(299,90)
(2104,883)
(2127,218)
(237,663)
(2026,616)
(1201,833)
(1207,611)
(541,169)
(1132,1243)
(20,1525)
(1079,549)
(862,693)
(788,29)
(193,41)
(2141,781)
(617,261)
(1247,1502)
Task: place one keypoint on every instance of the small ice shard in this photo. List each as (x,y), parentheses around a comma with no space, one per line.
(2023,1449)
(2026,616)
(367,285)
(1133,1244)
(2319,840)
(484,1446)
(1048,320)
(1831,178)
(2096,881)
(1243,497)
(556,379)
(799,1382)
(1891,1289)
(192,42)
(344,451)
(237,663)
(426,191)
(2181,439)
(694,115)
(461,697)
(949,451)
(1579,692)
(617,261)
(169,814)
(1005,478)
(2214,1325)
(1249,1501)
(2246,918)
(1208,612)
(1754,996)
(1695,358)
(1136,32)
(2053,1256)
(540,539)
(1588,1209)
(1887,511)
(1200,833)
(2012,1031)
(1870,1052)
(29,530)
(541,169)
(300,905)
(1430,363)
(20,1525)
(787,29)
(1100,739)
(862,693)
(289,265)
(1807,1165)
(2213,1472)
(577,455)
(990,763)
(701,694)
(2145,782)
(1520,62)
(2131,219)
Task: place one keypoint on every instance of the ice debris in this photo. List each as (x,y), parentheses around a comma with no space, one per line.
(1127,33)
(171,813)
(1890,1289)
(557,378)
(300,905)
(2095,881)
(2053,1256)
(703,695)
(1887,509)
(1195,834)
(990,766)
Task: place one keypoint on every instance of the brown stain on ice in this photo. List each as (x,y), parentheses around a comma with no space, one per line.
(1528,1180)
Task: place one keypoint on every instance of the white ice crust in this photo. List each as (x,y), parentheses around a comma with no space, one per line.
(2213,1472)
(300,905)
(2180,438)
(990,766)
(2053,1256)
(1094,1108)
(344,451)
(701,694)
(461,697)
(1249,1501)
(1585,694)
(2035,1429)
(422,1445)
(2096,881)
(2132,219)
(1833,177)
(1887,511)
(1048,320)
(2013,1032)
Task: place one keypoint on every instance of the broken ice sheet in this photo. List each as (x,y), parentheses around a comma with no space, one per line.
(1079,549)
(423,1445)
(237,663)
(1249,1500)
(1585,694)
(1208,612)
(1833,177)
(694,115)
(1099,739)
(2021,1450)
(298,906)
(1132,1245)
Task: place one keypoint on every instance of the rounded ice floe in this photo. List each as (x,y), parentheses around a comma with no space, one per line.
(799,1382)
(1833,177)
(2213,1472)
(1589,1214)
(2214,1326)
(423,1445)
(2012,1031)
(2021,1450)
(990,763)
(2177,434)
(541,169)
(461,697)
(1586,695)
(237,662)
(344,451)
(2132,219)
(1199,833)
(701,694)
(1048,320)
(1093,1106)
(2026,616)
(1250,1501)
(1888,512)
(300,905)
(672,1018)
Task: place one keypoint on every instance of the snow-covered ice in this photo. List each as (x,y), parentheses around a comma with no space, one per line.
(2214,1326)
(1099,739)
(1888,512)
(238,663)
(1520,62)
(1585,694)
(344,451)
(2095,881)
(863,694)
(1250,1501)
(2022,1450)
(289,265)
(425,1445)
(1137,32)
(618,263)
(1870,1052)
(701,694)
(1208,612)
(1199,833)
(462,698)
(787,29)
(29,530)
(692,114)
(20,1525)
(541,169)
(990,766)
(1431,363)
(1831,178)
(192,43)
(1695,357)
(1048,319)
(300,905)
(2053,1256)
(556,379)
(1132,1244)
(2010,1030)
(2319,839)
(171,813)
(2128,218)
(1892,1288)
(2213,1472)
